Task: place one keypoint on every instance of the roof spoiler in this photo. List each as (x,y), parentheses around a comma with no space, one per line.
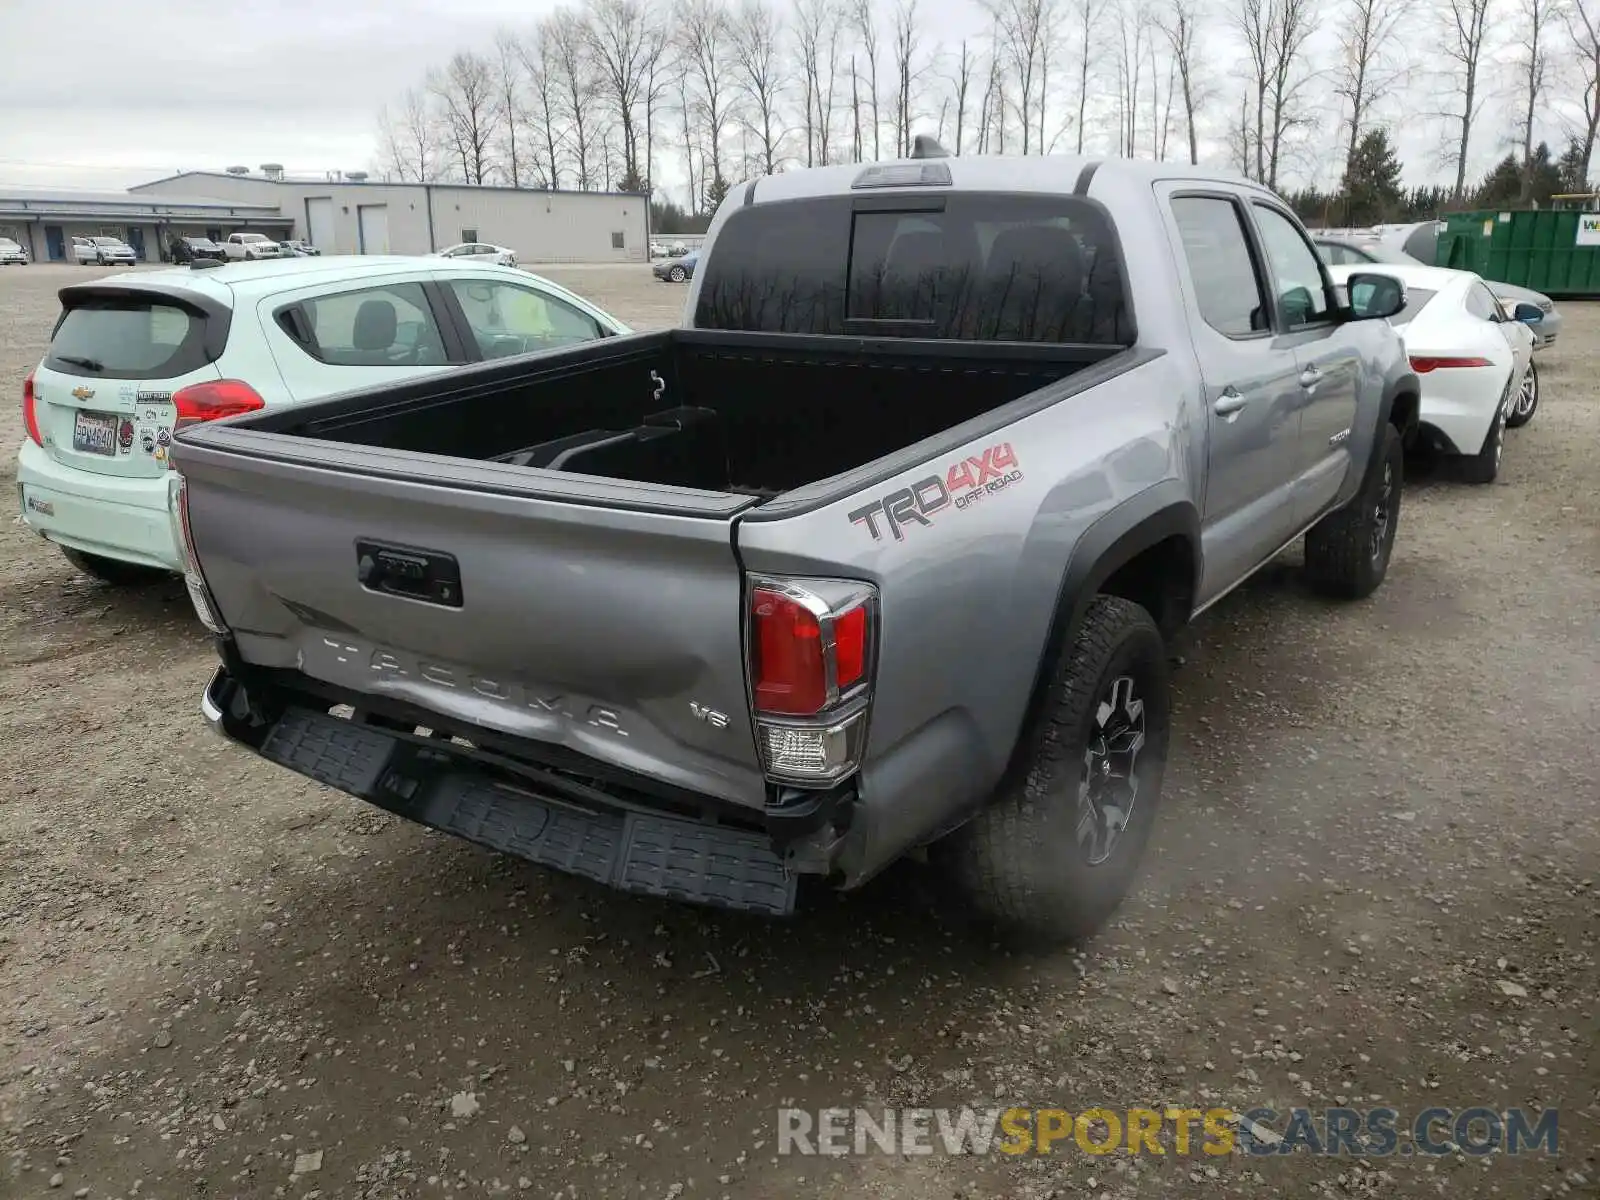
(923,146)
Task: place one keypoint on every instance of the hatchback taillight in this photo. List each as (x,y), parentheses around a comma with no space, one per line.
(214,400)
(30,411)
(810,648)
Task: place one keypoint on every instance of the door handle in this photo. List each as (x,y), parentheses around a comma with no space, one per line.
(1310,377)
(1229,403)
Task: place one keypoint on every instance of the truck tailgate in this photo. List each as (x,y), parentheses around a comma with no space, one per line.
(600,617)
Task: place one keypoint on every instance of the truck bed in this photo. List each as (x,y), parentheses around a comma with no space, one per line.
(718,412)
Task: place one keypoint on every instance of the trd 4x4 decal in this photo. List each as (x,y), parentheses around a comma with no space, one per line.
(962,484)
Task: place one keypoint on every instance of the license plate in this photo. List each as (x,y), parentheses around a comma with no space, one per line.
(95,433)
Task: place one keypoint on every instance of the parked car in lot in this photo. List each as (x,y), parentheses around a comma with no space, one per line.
(137,357)
(1413,245)
(677,270)
(12,254)
(296,248)
(1475,365)
(102,251)
(249,246)
(195,249)
(657,250)
(480,252)
(850,564)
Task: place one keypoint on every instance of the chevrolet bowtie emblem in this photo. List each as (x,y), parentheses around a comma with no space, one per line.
(83,393)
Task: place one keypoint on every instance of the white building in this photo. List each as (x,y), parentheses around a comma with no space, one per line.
(366,217)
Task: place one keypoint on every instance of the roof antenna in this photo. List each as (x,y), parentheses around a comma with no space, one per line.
(923,146)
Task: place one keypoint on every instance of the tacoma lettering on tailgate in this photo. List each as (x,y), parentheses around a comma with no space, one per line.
(962,484)
(392,664)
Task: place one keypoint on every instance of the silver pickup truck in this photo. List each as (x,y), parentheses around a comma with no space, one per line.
(880,550)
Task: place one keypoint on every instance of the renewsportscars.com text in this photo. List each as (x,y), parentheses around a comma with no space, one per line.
(1371,1132)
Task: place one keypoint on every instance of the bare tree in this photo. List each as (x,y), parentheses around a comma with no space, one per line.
(657,79)
(961,83)
(508,80)
(907,73)
(704,43)
(1179,23)
(855,105)
(576,87)
(866,27)
(546,108)
(622,42)
(1089,12)
(762,75)
(471,111)
(1464,36)
(1292,25)
(1275,33)
(392,158)
(1582,19)
(817,28)
(1253,20)
(1023,29)
(1367,68)
(1533,68)
(686,113)
(1132,31)
(409,138)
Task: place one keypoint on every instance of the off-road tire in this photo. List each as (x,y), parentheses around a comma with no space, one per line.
(1484,466)
(1524,405)
(113,571)
(1348,551)
(1020,860)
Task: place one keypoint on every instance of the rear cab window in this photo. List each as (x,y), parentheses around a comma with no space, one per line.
(131,337)
(966,266)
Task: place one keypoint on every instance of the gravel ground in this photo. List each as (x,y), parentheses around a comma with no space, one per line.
(1375,883)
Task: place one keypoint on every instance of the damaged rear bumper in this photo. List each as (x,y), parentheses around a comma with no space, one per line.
(560,818)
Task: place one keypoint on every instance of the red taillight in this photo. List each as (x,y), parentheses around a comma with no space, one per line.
(807,650)
(30,411)
(214,400)
(787,666)
(1423,363)
(850,646)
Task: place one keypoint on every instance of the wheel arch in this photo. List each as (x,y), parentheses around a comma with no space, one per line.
(1147,550)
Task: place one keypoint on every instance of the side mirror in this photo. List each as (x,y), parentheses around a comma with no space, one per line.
(1374,296)
(1528,314)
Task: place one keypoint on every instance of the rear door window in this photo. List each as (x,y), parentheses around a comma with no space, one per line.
(128,339)
(1222,268)
(389,326)
(967,266)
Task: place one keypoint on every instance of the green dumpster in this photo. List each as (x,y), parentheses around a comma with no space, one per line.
(1551,251)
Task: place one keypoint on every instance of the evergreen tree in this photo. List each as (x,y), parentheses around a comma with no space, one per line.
(1371,185)
(1569,167)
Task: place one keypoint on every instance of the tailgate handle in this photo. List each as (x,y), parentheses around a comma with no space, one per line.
(426,575)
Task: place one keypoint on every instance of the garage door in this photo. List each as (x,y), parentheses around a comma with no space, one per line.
(319,223)
(374,221)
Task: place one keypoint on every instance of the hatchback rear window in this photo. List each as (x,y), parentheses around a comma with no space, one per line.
(135,339)
(967,266)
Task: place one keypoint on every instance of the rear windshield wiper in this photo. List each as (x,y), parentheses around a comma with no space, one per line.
(77,360)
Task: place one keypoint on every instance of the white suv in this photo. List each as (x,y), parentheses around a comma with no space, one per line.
(136,357)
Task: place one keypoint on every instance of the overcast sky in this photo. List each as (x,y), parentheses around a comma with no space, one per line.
(108,93)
